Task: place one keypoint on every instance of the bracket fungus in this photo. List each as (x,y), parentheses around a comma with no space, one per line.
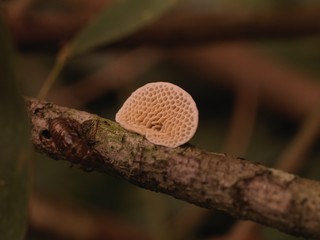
(163,112)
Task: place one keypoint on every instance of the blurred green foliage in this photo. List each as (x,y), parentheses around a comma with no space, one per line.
(14,147)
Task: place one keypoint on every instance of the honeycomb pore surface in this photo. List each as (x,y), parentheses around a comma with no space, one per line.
(163,112)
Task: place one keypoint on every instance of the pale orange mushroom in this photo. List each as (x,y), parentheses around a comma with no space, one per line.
(163,112)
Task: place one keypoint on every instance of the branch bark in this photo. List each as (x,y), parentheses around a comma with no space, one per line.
(240,187)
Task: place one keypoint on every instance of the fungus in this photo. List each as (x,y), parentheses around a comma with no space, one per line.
(163,112)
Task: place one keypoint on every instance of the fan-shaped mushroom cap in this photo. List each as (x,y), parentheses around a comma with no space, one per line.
(162,111)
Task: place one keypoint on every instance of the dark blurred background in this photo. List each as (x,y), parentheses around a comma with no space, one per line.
(252,67)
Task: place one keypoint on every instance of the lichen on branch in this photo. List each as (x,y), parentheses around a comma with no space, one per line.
(242,188)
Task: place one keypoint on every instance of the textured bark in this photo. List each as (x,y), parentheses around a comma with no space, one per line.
(240,187)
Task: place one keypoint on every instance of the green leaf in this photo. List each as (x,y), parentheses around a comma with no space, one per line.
(121,18)
(14,146)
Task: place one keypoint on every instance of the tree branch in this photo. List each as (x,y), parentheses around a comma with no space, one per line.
(242,188)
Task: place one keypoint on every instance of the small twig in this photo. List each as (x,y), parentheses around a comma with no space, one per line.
(243,119)
(242,188)
(55,71)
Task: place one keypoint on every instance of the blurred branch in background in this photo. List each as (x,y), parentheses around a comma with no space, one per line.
(243,119)
(293,158)
(187,28)
(242,188)
(175,29)
(66,221)
(31,22)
